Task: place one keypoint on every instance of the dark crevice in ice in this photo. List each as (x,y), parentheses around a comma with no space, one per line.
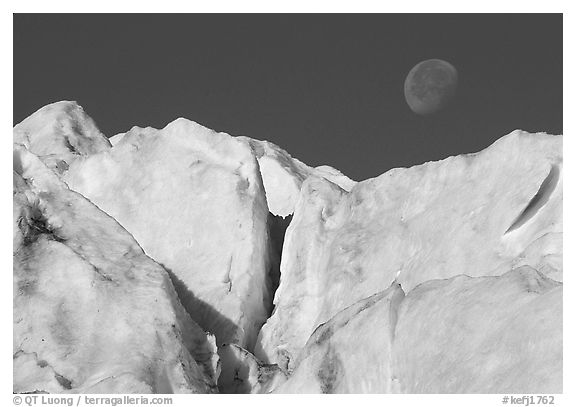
(277,226)
(539,200)
(235,372)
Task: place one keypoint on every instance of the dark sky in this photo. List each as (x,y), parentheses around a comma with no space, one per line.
(327,88)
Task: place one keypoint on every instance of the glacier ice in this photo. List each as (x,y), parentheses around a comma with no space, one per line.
(247,374)
(459,335)
(352,352)
(194,200)
(481,335)
(283,176)
(461,215)
(445,277)
(92,313)
(59,133)
(116,138)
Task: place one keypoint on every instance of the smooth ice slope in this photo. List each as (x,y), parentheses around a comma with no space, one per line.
(460,335)
(475,214)
(194,201)
(116,138)
(92,313)
(481,335)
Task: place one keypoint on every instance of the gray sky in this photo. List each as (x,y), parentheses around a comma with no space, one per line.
(327,88)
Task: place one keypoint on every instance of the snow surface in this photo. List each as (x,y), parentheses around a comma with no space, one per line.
(476,214)
(92,313)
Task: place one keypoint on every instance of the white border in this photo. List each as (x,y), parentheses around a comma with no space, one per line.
(293,6)
(316,7)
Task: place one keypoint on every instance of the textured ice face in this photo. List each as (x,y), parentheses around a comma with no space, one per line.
(352,352)
(436,278)
(481,335)
(459,335)
(247,374)
(194,200)
(477,214)
(92,313)
(59,133)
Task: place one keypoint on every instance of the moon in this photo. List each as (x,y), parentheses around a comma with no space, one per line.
(430,85)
